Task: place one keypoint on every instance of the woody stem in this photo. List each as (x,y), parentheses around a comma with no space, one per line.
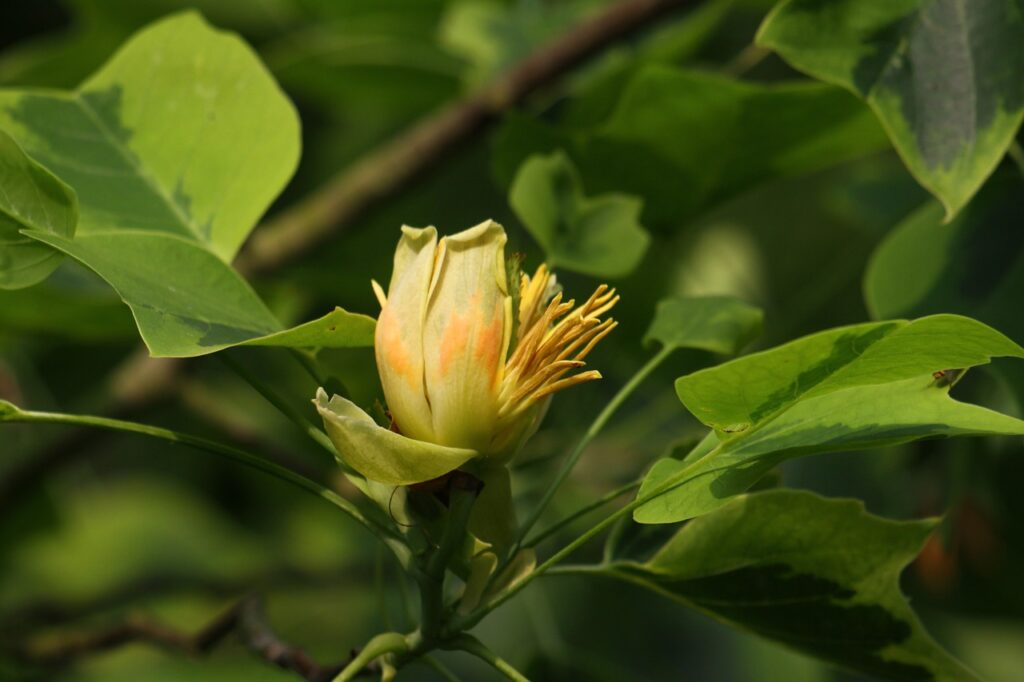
(463,492)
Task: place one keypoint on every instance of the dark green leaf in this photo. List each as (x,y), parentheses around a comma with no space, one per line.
(31,197)
(817,575)
(719,324)
(685,140)
(973,265)
(598,236)
(853,387)
(943,76)
(72,304)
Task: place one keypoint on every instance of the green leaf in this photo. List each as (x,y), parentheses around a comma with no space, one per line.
(719,324)
(493,37)
(943,76)
(816,575)
(848,388)
(972,265)
(208,306)
(684,141)
(598,236)
(30,197)
(175,148)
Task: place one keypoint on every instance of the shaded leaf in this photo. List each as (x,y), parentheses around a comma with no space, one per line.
(71,304)
(30,197)
(854,387)
(816,575)
(493,36)
(599,236)
(684,141)
(943,76)
(973,265)
(719,324)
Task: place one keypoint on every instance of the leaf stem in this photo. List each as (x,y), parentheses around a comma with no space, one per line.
(307,364)
(674,481)
(472,645)
(595,428)
(380,645)
(583,511)
(241,456)
(285,408)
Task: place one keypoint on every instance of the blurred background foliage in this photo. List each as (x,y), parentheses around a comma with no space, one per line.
(788,196)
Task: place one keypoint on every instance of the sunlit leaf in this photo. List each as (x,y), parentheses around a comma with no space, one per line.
(943,76)
(599,235)
(186,302)
(30,198)
(817,575)
(848,388)
(175,148)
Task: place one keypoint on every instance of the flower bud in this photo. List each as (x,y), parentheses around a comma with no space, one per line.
(462,371)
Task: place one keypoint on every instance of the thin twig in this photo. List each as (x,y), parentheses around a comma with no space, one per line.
(34,615)
(245,618)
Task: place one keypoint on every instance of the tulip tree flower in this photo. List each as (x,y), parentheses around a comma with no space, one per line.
(467,367)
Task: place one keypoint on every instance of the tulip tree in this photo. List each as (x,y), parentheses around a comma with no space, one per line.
(154,170)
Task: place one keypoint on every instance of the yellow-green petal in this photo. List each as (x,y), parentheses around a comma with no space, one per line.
(380,454)
(465,335)
(399,336)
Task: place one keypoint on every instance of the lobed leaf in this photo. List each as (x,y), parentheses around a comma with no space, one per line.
(599,236)
(943,76)
(816,575)
(849,388)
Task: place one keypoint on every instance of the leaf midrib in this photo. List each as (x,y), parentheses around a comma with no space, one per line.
(131,161)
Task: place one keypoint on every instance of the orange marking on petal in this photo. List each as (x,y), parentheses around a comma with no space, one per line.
(392,355)
(453,342)
(489,341)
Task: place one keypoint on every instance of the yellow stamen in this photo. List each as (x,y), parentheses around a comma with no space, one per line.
(554,337)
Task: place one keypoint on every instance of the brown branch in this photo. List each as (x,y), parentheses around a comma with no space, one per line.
(31,616)
(246,619)
(314,220)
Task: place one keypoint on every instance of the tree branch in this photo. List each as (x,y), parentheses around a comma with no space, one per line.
(246,619)
(385,171)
